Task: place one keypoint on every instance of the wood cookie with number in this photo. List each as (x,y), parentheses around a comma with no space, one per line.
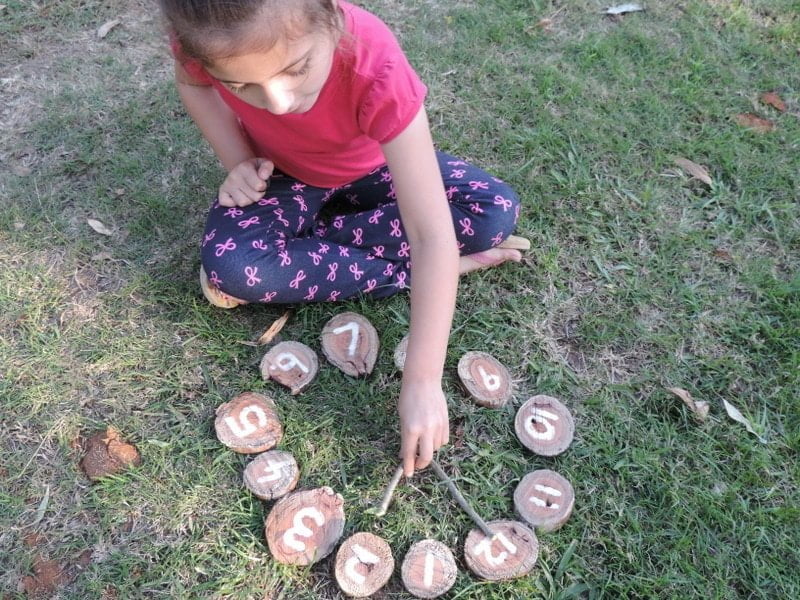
(350,342)
(485,378)
(512,553)
(364,564)
(272,474)
(248,424)
(429,569)
(291,364)
(304,527)
(544,499)
(544,425)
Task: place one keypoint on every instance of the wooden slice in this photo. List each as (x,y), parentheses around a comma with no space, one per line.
(511,554)
(544,425)
(350,342)
(364,564)
(304,527)
(291,364)
(485,378)
(429,569)
(248,424)
(272,474)
(400,353)
(544,499)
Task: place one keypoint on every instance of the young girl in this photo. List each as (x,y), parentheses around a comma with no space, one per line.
(312,105)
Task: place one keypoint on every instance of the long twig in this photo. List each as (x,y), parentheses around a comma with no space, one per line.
(381,509)
(462,502)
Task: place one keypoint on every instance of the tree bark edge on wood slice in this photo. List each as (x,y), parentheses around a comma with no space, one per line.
(544,499)
(364,563)
(272,474)
(291,364)
(429,569)
(304,527)
(487,380)
(512,554)
(400,352)
(544,425)
(350,342)
(248,424)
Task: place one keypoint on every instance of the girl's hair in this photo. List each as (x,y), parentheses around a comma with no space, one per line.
(211,30)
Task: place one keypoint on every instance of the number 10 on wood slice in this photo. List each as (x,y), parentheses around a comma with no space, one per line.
(544,425)
(248,424)
(364,564)
(304,527)
(350,342)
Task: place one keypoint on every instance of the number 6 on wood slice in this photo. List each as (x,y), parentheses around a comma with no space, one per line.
(350,342)
(248,424)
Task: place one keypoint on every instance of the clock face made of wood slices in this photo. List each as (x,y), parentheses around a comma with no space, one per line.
(248,424)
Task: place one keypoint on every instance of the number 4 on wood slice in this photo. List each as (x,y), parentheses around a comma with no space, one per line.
(304,527)
(544,425)
(248,424)
(364,564)
(429,569)
(291,364)
(350,342)
(272,474)
(485,378)
(511,554)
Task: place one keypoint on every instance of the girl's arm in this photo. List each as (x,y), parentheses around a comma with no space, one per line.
(247,175)
(427,221)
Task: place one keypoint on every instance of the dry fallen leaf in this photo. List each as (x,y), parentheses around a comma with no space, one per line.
(621,9)
(773,100)
(755,122)
(695,170)
(545,24)
(99,227)
(698,407)
(734,414)
(723,255)
(106,27)
(274,329)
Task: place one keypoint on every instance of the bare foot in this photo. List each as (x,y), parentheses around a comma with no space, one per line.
(486,259)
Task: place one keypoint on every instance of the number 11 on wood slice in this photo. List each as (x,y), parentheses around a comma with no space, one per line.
(364,564)
(248,424)
(350,342)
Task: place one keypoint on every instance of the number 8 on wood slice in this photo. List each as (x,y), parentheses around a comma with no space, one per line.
(248,424)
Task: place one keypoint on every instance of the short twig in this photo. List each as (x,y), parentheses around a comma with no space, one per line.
(462,502)
(381,509)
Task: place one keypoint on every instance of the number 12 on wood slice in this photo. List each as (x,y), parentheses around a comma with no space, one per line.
(248,424)
(364,564)
(512,553)
(304,527)
(350,342)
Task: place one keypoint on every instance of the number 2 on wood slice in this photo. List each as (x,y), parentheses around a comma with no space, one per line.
(360,555)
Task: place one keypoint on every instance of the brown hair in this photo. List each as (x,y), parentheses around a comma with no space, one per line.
(210,30)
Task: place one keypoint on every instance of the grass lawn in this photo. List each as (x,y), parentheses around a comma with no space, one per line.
(639,279)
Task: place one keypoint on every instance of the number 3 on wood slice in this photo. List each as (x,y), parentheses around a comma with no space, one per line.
(248,423)
(350,342)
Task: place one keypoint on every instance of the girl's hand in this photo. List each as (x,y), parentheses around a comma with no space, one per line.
(246,182)
(424,424)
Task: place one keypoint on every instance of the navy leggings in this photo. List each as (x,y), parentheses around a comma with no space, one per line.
(281,250)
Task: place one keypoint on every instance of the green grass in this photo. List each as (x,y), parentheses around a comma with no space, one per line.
(639,280)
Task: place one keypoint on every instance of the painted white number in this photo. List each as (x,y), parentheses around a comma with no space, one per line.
(274,470)
(541,416)
(299,530)
(286,361)
(353,327)
(244,427)
(492,382)
(485,548)
(547,490)
(427,579)
(360,555)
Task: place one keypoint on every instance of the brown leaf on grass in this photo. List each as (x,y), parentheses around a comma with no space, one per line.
(274,329)
(107,454)
(773,100)
(755,122)
(698,407)
(693,169)
(723,255)
(545,25)
(105,28)
(99,227)
(734,414)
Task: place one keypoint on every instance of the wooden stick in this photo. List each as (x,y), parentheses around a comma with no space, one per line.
(462,502)
(381,509)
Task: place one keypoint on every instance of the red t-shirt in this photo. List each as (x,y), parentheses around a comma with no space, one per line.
(370,97)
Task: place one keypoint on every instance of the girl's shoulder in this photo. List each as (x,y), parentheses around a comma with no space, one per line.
(369,40)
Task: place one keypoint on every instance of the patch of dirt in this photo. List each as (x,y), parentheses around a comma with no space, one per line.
(48,576)
(107,454)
